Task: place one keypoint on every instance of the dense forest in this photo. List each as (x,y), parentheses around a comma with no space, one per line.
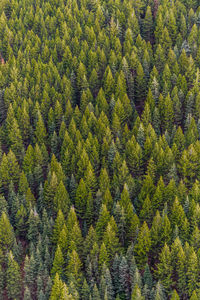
(99,149)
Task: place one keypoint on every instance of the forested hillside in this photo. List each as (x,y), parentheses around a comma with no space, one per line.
(100,149)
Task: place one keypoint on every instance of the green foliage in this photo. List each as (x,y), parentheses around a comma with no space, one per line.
(164,271)
(99,149)
(6,233)
(58,263)
(13,278)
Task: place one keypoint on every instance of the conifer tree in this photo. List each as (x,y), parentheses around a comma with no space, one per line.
(81,198)
(164,270)
(27,294)
(110,239)
(33,229)
(103,256)
(95,293)
(61,199)
(74,267)
(148,24)
(192,272)
(57,288)
(6,233)
(174,296)
(13,278)
(59,222)
(85,290)
(103,220)
(136,294)
(143,245)
(58,263)
(194,296)
(124,280)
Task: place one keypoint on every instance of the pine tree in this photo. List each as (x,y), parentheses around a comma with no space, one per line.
(61,199)
(50,188)
(90,179)
(40,130)
(140,84)
(192,272)
(147,280)
(59,222)
(108,83)
(85,291)
(81,198)
(33,229)
(58,263)
(106,286)
(103,256)
(74,267)
(146,213)
(115,272)
(194,296)
(164,268)
(136,294)
(27,294)
(9,170)
(95,294)
(6,233)
(120,220)
(159,292)
(148,24)
(16,139)
(143,245)
(103,220)
(174,296)
(57,287)
(124,280)
(172,27)
(110,239)
(13,278)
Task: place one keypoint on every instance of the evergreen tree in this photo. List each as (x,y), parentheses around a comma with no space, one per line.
(164,270)
(33,222)
(143,245)
(61,199)
(6,233)
(175,296)
(81,198)
(13,278)
(74,267)
(136,294)
(59,222)
(110,239)
(192,272)
(85,290)
(57,288)
(27,294)
(58,263)
(148,24)
(124,280)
